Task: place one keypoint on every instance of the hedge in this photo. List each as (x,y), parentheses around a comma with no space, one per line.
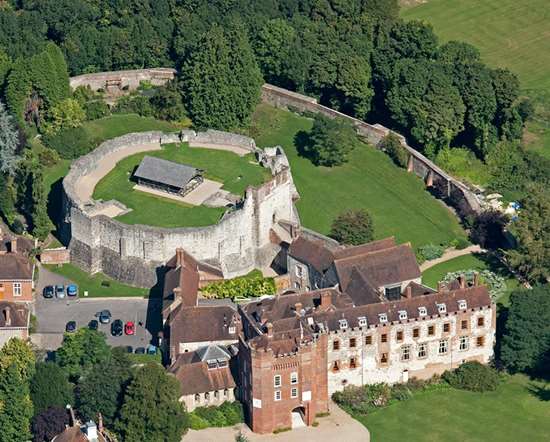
(227,414)
(473,376)
(241,287)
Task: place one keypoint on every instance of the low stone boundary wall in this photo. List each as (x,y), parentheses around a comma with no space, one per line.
(60,255)
(120,80)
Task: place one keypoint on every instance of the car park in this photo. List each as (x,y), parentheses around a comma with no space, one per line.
(93,324)
(48,292)
(70,327)
(60,291)
(140,351)
(72,290)
(129,328)
(104,316)
(117,328)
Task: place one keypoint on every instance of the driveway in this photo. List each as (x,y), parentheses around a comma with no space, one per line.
(338,426)
(53,314)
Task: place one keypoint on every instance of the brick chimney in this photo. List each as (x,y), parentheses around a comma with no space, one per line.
(180,256)
(408,292)
(298,308)
(7,316)
(326,300)
(442,287)
(13,246)
(476,279)
(462,281)
(72,420)
(269,330)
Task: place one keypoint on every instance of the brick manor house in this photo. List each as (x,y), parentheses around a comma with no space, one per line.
(354,316)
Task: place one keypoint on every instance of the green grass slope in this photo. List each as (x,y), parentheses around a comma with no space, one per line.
(509,33)
(397,200)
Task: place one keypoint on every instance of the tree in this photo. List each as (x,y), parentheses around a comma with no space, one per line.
(151,409)
(391,144)
(15,404)
(66,114)
(7,199)
(50,387)
(531,257)
(488,229)
(167,103)
(222,80)
(330,141)
(9,142)
(526,337)
(41,224)
(49,423)
(353,227)
(18,353)
(102,389)
(82,350)
(5,65)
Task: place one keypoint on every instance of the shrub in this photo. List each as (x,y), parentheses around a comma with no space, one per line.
(488,229)
(462,243)
(64,115)
(393,147)
(196,422)
(400,392)
(70,143)
(430,251)
(495,283)
(212,415)
(134,104)
(227,414)
(473,376)
(233,412)
(96,109)
(353,227)
(241,287)
(363,399)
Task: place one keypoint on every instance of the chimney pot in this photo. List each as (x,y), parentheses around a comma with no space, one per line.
(408,292)
(180,256)
(269,328)
(298,307)
(13,246)
(326,300)
(441,287)
(462,281)
(476,279)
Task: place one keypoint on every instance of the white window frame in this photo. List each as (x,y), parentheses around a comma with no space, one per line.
(422,348)
(362,321)
(443,345)
(383,317)
(441,307)
(294,392)
(277,381)
(297,285)
(405,351)
(17,289)
(293,378)
(343,323)
(402,315)
(422,311)
(462,304)
(277,395)
(464,343)
(299,271)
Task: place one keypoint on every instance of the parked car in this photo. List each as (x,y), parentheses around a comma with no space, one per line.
(117,327)
(140,351)
(129,328)
(72,290)
(70,327)
(129,349)
(48,291)
(104,316)
(93,324)
(151,349)
(60,291)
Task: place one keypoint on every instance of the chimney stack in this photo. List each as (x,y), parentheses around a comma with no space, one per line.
(7,316)
(13,246)
(269,328)
(72,420)
(298,308)
(408,292)
(441,287)
(100,423)
(326,300)
(476,279)
(180,256)
(462,281)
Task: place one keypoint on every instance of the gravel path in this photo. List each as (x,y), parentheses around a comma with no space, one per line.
(450,254)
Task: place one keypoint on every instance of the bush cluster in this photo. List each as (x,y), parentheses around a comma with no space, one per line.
(395,150)
(227,414)
(70,143)
(241,287)
(429,252)
(473,376)
(495,283)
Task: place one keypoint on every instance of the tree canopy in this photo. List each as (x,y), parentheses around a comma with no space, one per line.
(50,387)
(353,227)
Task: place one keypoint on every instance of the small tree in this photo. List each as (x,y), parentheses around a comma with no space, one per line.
(64,115)
(15,405)
(40,219)
(393,147)
(50,387)
(488,229)
(353,227)
(473,376)
(18,353)
(49,423)
(330,141)
(9,142)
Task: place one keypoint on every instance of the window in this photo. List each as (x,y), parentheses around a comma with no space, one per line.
(17,289)
(368,340)
(222,363)
(216,394)
(212,364)
(293,392)
(308,288)
(277,396)
(422,311)
(405,353)
(362,321)
(383,317)
(336,344)
(293,378)
(206,396)
(197,398)
(297,285)
(335,367)
(480,321)
(422,350)
(416,332)
(464,324)
(431,330)
(277,380)
(231,330)
(443,346)
(402,315)
(352,363)
(343,324)
(384,358)
(462,304)
(399,336)
(447,327)
(299,271)
(384,338)
(352,342)
(480,341)
(441,308)
(225,392)
(464,343)
(393,293)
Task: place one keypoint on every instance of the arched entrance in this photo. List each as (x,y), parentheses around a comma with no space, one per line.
(298,417)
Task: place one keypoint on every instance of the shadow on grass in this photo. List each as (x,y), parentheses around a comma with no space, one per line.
(540,392)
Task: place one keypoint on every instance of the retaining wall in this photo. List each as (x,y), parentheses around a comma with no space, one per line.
(237,244)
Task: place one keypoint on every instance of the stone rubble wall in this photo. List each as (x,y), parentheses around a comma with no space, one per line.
(128,79)
(239,242)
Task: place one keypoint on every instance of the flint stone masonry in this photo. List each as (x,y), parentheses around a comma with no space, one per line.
(237,244)
(123,79)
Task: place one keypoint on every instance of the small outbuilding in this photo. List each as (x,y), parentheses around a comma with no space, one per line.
(167,176)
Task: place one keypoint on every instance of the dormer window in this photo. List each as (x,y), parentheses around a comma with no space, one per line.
(362,321)
(343,324)
(462,304)
(422,311)
(222,363)
(383,317)
(232,330)
(310,321)
(402,315)
(441,308)
(212,364)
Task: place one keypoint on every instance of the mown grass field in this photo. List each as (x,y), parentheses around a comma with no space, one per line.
(518,411)
(236,173)
(397,200)
(433,275)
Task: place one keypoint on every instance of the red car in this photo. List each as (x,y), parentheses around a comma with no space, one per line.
(129,328)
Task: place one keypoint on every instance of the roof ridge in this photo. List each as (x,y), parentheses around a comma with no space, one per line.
(374,252)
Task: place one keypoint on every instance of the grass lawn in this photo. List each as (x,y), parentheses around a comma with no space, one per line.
(518,411)
(397,200)
(433,275)
(235,172)
(93,284)
(120,124)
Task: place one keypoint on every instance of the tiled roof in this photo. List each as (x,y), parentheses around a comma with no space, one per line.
(183,275)
(203,324)
(165,172)
(360,290)
(15,266)
(311,251)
